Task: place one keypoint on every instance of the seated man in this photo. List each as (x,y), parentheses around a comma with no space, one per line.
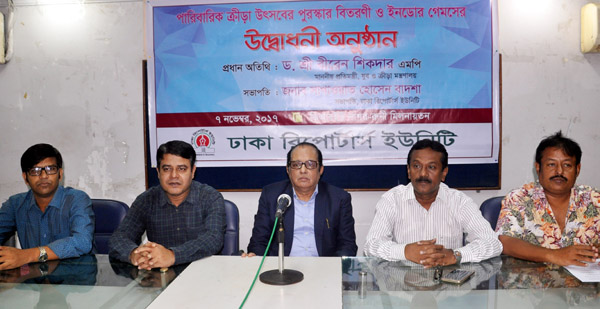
(424,221)
(319,221)
(52,222)
(554,220)
(184,220)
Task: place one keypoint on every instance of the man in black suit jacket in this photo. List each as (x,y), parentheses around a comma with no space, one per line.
(324,212)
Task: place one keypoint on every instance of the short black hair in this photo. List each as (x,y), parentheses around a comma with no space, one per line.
(178,148)
(37,153)
(569,146)
(319,154)
(435,146)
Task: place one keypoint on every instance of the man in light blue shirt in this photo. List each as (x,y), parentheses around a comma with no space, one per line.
(52,222)
(320,214)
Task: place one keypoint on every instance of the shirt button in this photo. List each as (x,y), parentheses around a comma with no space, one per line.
(178,229)
(305,233)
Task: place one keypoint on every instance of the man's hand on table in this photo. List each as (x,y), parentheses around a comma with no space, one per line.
(427,253)
(573,255)
(249,254)
(152,255)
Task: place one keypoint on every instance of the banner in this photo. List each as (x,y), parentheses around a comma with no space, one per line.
(363,80)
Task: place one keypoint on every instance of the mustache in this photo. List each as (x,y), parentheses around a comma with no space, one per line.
(423,179)
(559,177)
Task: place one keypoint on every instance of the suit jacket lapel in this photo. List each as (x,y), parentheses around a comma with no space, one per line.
(320,218)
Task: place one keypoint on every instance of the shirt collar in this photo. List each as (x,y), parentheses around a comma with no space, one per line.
(56,199)
(539,193)
(312,197)
(190,198)
(441,194)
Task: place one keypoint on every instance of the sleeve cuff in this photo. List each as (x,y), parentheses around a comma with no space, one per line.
(58,250)
(397,251)
(466,255)
(178,255)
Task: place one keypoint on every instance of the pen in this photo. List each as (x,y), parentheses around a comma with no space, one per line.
(327,220)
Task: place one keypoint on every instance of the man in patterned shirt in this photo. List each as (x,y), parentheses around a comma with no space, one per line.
(184,219)
(424,221)
(552,221)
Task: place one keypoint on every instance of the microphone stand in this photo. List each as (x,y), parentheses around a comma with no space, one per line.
(281,276)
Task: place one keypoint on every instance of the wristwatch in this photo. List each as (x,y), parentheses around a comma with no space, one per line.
(43,269)
(43,255)
(457,256)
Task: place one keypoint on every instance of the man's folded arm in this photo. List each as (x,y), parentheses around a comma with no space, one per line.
(482,240)
(7,220)
(261,232)
(524,250)
(81,227)
(128,235)
(379,239)
(510,232)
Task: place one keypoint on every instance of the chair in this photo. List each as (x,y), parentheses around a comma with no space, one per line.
(10,242)
(109,214)
(231,243)
(490,209)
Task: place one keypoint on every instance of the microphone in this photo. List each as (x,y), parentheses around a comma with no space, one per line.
(281,276)
(283,202)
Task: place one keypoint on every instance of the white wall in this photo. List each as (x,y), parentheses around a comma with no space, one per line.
(77,85)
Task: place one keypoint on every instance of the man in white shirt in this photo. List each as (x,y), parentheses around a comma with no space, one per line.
(424,221)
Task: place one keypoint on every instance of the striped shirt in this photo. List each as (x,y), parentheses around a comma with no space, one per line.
(401,220)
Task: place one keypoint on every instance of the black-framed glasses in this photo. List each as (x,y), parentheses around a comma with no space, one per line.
(310,164)
(37,170)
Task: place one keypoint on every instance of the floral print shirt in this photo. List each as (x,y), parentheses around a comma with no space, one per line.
(526,215)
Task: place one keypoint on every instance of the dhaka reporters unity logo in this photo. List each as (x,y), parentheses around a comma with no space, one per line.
(203,141)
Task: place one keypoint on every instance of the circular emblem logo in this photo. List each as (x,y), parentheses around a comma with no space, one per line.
(203,140)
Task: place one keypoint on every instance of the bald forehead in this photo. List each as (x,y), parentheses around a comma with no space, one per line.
(305,150)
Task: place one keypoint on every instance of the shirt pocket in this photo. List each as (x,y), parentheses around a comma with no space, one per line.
(194,222)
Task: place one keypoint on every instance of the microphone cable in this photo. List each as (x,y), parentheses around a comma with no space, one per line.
(261,263)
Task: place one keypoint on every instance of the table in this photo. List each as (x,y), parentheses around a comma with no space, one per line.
(222,282)
(501,282)
(91,281)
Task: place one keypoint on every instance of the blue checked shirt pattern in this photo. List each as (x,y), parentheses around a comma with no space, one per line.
(192,230)
(66,226)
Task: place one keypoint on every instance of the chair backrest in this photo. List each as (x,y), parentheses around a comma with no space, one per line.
(490,209)
(10,242)
(231,243)
(109,214)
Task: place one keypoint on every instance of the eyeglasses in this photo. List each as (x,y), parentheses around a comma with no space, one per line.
(310,164)
(37,171)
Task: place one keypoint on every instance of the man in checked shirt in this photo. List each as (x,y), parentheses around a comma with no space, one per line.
(184,220)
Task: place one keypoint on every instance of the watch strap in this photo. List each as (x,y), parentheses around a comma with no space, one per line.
(457,256)
(43,254)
